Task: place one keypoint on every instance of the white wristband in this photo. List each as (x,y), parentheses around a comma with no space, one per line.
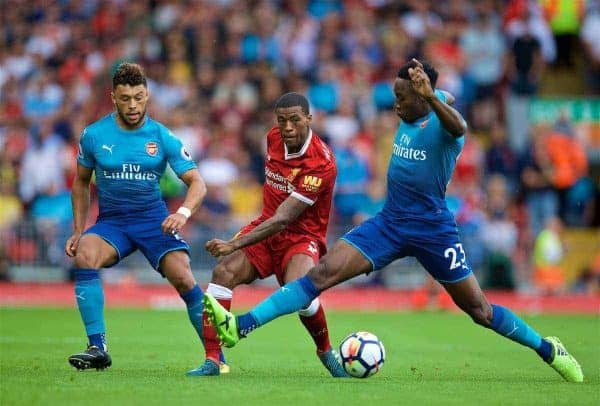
(185,211)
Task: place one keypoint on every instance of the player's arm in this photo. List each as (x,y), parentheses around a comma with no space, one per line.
(287,212)
(451,120)
(80,200)
(196,190)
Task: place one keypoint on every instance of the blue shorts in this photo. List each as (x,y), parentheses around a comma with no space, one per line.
(435,245)
(142,231)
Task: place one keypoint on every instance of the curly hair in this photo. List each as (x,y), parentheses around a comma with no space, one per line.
(130,74)
(293,99)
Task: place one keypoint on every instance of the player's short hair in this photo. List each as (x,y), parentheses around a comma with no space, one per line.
(427,68)
(293,99)
(130,74)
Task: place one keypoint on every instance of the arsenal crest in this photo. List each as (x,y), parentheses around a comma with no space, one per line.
(151,148)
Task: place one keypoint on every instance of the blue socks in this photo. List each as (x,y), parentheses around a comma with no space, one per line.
(90,301)
(289,298)
(193,301)
(508,324)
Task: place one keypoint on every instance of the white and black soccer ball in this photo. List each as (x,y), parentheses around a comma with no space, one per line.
(362,353)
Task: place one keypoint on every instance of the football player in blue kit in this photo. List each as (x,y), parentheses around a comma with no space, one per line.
(414,221)
(128,152)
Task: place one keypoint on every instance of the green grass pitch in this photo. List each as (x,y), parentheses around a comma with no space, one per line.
(432,358)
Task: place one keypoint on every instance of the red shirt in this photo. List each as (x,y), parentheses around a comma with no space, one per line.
(308,175)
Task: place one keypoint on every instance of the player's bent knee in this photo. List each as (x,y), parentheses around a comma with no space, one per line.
(481,314)
(324,275)
(87,258)
(225,276)
(319,276)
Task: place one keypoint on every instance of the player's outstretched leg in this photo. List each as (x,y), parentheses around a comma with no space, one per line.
(313,319)
(563,362)
(550,349)
(290,298)
(468,296)
(90,302)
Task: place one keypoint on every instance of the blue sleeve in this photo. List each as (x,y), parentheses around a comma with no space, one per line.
(177,155)
(440,95)
(85,155)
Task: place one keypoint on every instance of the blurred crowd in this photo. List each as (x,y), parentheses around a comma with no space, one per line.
(215,67)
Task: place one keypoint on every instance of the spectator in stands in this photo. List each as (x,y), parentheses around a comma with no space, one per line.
(499,235)
(570,168)
(44,190)
(548,275)
(590,32)
(483,44)
(500,158)
(564,18)
(536,182)
(524,71)
(216,66)
(522,16)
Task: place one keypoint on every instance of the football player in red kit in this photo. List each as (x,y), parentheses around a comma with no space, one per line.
(288,238)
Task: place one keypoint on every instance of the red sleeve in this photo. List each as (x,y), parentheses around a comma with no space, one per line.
(313,183)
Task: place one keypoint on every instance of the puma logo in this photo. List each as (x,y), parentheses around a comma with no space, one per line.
(515,328)
(109,149)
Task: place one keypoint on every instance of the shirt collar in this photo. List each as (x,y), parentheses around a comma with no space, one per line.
(298,154)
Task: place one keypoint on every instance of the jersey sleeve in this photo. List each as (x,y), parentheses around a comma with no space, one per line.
(440,95)
(85,154)
(313,183)
(459,140)
(177,155)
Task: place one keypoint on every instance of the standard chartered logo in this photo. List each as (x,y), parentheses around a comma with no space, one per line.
(130,172)
(404,151)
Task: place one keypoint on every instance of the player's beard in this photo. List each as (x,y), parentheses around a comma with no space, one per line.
(128,123)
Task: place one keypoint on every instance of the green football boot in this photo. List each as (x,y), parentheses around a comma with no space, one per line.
(224,321)
(563,362)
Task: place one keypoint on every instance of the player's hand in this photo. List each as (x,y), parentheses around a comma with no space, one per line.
(219,248)
(420,81)
(72,244)
(173,223)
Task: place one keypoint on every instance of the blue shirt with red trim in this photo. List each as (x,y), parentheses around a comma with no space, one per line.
(128,164)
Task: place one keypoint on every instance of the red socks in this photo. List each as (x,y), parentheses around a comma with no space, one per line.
(317,327)
(212,346)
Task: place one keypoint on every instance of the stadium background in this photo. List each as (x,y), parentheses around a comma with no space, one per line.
(526,74)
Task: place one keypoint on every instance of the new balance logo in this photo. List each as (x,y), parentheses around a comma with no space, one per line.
(561,351)
(109,149)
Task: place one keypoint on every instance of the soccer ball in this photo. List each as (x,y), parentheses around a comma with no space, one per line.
(362,354)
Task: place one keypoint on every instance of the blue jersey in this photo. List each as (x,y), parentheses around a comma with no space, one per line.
(129,163)
(415,220)
(423,160)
